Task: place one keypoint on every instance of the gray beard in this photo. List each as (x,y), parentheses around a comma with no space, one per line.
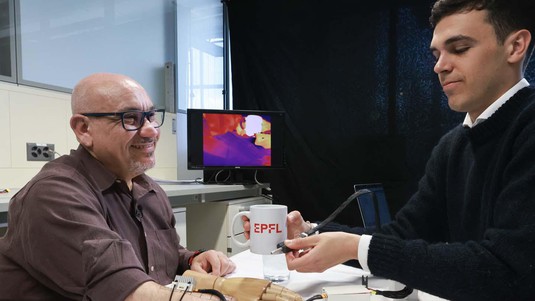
(138,168)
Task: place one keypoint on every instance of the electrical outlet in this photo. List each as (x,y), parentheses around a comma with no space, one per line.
(39,151)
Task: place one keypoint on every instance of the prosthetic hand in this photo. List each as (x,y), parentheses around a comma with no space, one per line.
(242,288)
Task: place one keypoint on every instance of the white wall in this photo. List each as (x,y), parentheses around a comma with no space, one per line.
(60,42)
(42,116)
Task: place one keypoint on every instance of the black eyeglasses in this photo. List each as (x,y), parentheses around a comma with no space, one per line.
(134,120)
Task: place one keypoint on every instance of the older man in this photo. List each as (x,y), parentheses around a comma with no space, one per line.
(91,225)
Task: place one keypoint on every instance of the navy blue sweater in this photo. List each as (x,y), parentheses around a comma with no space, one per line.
(469,231)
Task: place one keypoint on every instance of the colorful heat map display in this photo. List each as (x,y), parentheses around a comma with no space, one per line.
(236,139)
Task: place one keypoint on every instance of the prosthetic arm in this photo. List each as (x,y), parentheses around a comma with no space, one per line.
(243,288)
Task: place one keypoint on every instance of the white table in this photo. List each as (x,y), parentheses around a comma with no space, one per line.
(310,284)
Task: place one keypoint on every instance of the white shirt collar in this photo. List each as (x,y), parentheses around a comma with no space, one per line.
(496,105)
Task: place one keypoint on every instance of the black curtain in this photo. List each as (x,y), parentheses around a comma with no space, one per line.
(362,102)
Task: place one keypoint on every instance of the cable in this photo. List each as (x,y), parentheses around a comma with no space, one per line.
(59,155)
(172,291)
(175,284)
(403,293)
(281,247)
(213,292)
(184,293)
(256,178)
(318,296)
(53,152)
(217,175)
(333,215)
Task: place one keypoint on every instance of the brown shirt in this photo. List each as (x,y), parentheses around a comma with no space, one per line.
(76,232)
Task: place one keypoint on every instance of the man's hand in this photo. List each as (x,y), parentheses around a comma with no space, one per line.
(246,226)
(295,224)
(214,262)
(317,253)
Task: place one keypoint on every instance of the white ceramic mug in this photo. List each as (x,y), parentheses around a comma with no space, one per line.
(268,228)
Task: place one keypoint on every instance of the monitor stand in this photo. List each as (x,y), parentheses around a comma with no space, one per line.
(230,176)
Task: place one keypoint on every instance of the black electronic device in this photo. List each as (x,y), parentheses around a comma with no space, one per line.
(234,140)
(373,207)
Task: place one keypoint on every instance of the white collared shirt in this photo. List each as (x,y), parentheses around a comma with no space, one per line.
(495,105)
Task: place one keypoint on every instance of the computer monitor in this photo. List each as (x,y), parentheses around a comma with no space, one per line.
(374,212)
(235,139)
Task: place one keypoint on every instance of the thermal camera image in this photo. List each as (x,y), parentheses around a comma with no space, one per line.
(236,140)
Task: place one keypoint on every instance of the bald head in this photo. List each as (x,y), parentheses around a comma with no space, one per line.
(102,90)
(99,104)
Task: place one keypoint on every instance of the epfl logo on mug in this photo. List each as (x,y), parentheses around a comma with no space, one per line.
(261,228)
(268,227)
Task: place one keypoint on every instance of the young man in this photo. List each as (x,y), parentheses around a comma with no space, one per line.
(469,231)
(91,225)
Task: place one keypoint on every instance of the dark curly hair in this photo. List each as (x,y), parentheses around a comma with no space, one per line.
(505,16)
